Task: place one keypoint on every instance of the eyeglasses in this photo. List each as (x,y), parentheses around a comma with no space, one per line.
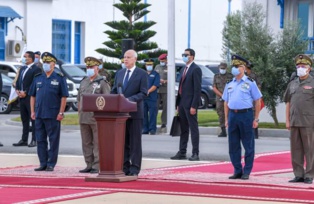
(301,66)
(185,55)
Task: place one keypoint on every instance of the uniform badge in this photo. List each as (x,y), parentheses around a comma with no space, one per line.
(245,86)
(55,82)
(96,86)
(307,87)
(100,102)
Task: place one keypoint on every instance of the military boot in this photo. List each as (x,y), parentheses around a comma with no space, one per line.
(223,132)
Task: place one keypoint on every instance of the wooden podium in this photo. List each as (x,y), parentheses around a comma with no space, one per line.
(111,112)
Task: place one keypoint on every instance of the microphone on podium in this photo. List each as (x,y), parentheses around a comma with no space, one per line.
(119,88)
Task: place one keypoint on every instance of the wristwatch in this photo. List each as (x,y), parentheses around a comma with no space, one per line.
(61,114)
(257,120)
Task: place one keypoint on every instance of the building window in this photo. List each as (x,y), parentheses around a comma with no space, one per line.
(61,40)
(77,43)
(2,38)
(303,16)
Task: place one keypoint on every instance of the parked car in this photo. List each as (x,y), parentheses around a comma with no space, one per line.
(6,108)
(207,94)
(213,67)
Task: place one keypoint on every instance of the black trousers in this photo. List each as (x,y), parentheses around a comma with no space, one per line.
(133,146)
(25,111)
(187,122)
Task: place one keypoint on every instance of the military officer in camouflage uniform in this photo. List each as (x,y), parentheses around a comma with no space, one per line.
(299,98)
(162,70)
(92,84)
(220,81)
(257,79)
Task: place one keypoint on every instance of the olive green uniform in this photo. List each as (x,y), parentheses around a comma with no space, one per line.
(256,78)
(220,81)
(162,91)
(300,95)
(87,121)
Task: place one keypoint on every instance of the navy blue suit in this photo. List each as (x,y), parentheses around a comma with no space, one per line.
(135,90)
(189,98)
(24,84)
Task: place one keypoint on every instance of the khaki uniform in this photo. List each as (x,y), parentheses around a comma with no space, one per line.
(256,78)
(220,81)
(301,98)
(87,121)
(162,92)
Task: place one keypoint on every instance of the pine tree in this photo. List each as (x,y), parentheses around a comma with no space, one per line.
(132,10)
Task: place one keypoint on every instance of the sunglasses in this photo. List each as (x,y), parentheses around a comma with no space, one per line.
(185,55)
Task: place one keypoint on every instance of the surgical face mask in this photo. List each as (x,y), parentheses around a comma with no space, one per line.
(222,71)
(90,72)
(162,64)
(36,60)
(235,71)
(123,66)
(301,72)
(46,67)
(185,59)
(23,60)
(149,68)
(100,66)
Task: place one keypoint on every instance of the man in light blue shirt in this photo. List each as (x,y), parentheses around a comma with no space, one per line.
(239,95)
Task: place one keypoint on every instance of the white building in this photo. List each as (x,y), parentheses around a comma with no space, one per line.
(73,29)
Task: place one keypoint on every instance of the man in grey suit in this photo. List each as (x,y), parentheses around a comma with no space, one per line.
(187,102)
(134,82)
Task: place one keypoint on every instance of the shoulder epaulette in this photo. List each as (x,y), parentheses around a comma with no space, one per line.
(228,81)
(249,78)
(37,74)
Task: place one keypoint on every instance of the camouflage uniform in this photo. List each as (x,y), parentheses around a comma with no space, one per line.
(87,121)
(162,92)
(220,81)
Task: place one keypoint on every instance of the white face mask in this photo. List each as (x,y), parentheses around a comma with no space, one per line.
(222,71)
(301,72)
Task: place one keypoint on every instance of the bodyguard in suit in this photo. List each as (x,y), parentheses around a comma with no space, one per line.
(23,84)
(134,83)
(187,103)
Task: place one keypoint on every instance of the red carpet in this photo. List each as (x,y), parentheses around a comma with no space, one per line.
(207,180)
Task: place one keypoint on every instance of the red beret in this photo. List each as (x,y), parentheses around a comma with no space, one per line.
(162,57)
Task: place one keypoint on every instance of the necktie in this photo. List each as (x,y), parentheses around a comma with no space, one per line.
(21,77)
(126,79)
(182,79)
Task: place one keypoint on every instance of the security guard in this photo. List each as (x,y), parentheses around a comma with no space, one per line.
(92,84)
(162,70)
(150,102)
(37,60)
(48,99)
(299,98)
(239,95)
(220,81)
(257,79)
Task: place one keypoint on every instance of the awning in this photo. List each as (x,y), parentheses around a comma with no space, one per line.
(8,12)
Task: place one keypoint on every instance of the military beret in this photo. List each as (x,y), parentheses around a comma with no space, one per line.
(303,59)
(149,61)
(48,57)
(37,53)
(238,60)
(92,61)
(162,56)
(222,65)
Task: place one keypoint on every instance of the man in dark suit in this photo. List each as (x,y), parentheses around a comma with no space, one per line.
(23,84)
(187,103)
(134,83)
(0,96)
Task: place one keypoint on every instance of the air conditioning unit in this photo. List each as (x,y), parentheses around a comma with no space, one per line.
(15,48)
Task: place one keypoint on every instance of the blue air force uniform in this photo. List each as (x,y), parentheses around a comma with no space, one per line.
(48,92)
(150,102)
(239,96)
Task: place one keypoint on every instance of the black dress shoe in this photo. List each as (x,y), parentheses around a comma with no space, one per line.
(178,156)
(245,177)
(132,174)
(152,133)
(163,126)
(41,168)
(308,180)
(49,168)
(194,157)
(144,133)
(94,171)
(1,144)
(297,179)
(235,176)
(20,143)
(86,170)
(32,144)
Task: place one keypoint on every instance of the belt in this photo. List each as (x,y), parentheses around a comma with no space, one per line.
(241,110)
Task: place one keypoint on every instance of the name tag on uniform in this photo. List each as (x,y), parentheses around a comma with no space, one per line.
(55,83)
(96,86)
(245,86)
(152,75)
(307,87)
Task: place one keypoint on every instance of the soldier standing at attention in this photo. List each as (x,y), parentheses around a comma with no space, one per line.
(162,70)
(92,84)
(299,98)
(257,79)
(239,95)
(48,93)
(220,81)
